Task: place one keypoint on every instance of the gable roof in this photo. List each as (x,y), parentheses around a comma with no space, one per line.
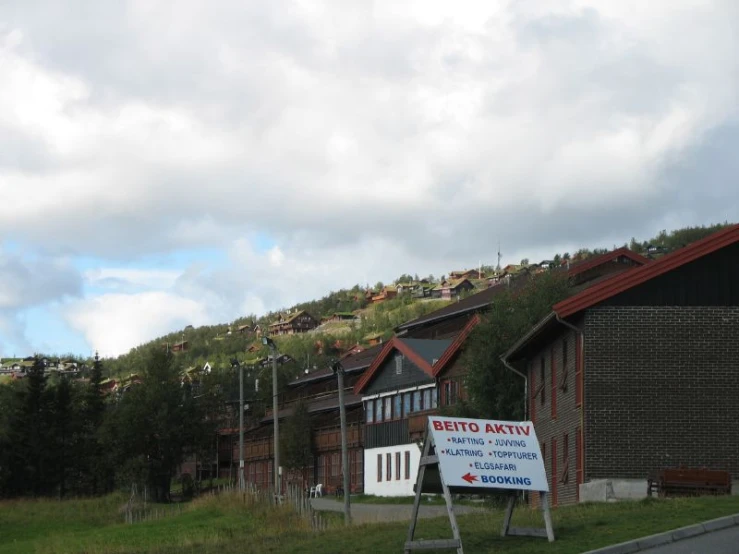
(421,352)
(615,284)
(352,362)
(611,287)
(291,317)
(595,261)
(456,345)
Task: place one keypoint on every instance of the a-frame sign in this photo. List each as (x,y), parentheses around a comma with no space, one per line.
(478,456)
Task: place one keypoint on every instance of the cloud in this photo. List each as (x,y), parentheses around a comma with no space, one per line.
(362,139)
(114,323)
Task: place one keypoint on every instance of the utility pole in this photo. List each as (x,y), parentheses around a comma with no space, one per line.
(338,369)
(276,421)
(242,483)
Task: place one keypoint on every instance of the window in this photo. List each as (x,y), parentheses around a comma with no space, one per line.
(397,466)
(407,464)
(417,401)
(532,389)
(578,459)
(565,459)
(565,368)
(388,408)
(554,472)
(378,410)
(578,371)
(554,383)
(397,414)
(379,468)
(542,378)
(398,364)
(406,403)
(389,469)
(427,399)
(335,464)
(370,411)
(433,398)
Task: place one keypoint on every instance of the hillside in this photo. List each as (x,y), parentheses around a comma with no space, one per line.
(219,344)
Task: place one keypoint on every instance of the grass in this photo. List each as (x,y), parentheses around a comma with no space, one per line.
(226,524)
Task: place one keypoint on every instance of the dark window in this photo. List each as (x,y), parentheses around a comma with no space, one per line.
(398,364)
(389,472)
(397,414)
(565,458)
(407,464)
(542,377)
(427,399)
(379,468)
(397,466)
(406,403)
(417,401)
(553,371)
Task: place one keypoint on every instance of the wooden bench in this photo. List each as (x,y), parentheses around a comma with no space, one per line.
(689,482)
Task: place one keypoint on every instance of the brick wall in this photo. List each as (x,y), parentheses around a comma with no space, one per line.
(567,418)
(661,389)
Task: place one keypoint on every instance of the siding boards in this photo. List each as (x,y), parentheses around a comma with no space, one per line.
(387,379)
(712,280)
(390,433)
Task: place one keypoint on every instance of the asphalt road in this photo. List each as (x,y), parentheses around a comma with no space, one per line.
(725,541)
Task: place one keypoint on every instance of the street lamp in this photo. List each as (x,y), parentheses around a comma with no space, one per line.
(276,422)
(235,364)
(338,370)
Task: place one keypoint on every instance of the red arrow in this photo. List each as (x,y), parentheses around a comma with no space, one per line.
(469,478)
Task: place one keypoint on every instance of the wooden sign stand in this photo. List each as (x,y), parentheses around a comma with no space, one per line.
(430,459)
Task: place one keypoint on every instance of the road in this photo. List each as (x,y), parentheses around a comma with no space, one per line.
(725,541)
(371,513)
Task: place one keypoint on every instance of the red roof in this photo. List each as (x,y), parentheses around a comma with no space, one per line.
(595,261)
(393,344)
(456,345)
(611,287)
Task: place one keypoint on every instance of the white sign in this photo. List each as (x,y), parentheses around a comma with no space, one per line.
(488,453)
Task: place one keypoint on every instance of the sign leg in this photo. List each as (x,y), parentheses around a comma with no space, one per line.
(547,516)
(450,511)
(508,515)
(419,486)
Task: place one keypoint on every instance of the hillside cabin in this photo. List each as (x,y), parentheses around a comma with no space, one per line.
(293,323)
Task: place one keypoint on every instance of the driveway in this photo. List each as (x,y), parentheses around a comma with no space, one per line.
(373,513)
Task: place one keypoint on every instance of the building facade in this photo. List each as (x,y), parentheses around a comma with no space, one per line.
(639,373)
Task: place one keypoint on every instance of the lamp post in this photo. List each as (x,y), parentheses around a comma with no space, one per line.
(276,422)
(338,370)
(235,363)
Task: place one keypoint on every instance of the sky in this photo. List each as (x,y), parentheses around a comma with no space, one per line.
(172,163)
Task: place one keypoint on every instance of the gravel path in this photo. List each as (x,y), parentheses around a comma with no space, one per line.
(371,513)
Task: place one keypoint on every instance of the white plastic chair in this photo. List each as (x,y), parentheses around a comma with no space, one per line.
(319,489)
(312,492)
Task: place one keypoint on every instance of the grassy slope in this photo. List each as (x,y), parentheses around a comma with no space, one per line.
(226,525)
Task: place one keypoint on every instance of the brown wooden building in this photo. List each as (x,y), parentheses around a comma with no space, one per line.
(290,324)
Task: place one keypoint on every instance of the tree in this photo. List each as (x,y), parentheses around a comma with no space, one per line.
(495,391)
(63,415)
(154,426)
(296,439)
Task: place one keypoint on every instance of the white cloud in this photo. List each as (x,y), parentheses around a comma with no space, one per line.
(114,323)
(365,140)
